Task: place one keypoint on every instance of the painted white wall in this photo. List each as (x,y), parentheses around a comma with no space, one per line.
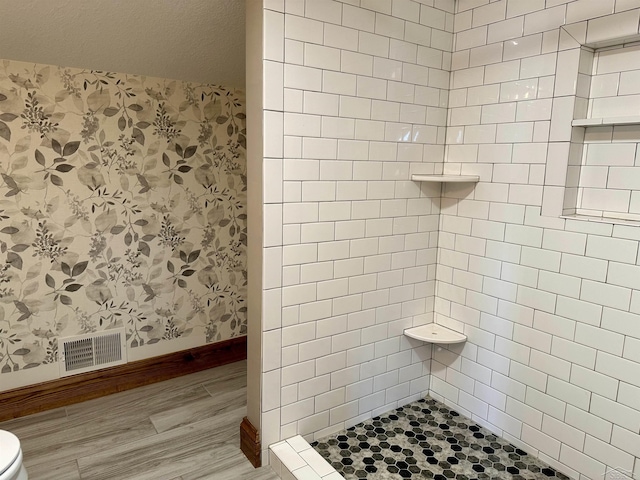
(255,174)
(191,40)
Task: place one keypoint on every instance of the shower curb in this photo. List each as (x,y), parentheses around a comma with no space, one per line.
(295,459)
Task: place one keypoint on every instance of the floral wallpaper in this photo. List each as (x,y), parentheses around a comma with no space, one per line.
(122,204)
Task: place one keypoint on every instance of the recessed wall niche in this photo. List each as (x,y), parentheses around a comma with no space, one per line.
(603,166)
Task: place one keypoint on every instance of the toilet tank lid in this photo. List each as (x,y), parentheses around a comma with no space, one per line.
(9,449)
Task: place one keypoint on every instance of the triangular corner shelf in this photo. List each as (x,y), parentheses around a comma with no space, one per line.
(446,178)
(434,333)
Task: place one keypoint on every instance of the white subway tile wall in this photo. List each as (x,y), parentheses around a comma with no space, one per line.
(361,104)
(548,361)
(372,91)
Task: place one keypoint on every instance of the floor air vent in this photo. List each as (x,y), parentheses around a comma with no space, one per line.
(91,352)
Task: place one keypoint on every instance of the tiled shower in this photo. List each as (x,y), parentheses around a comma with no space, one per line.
(537,263)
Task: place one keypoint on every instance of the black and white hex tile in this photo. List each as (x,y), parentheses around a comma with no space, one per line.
(427,440)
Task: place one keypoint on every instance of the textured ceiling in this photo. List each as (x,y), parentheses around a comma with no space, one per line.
(194,40)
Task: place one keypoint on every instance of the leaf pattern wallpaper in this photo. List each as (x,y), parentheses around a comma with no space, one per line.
(122,204)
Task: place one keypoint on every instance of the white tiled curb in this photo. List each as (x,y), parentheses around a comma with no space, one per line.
(295,459)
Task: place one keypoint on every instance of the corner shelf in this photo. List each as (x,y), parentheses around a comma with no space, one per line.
(446,178)
(606,122)
(434,333)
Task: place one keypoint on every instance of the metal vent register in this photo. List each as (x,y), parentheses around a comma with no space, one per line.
(91,352)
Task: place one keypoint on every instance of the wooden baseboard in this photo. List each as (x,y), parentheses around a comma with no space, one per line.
(250,442)
(86,386)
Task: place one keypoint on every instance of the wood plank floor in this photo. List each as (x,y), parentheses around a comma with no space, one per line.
(182,429)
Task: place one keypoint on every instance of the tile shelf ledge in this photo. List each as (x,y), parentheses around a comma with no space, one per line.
(606,121)
(609,220)
(435,333)
(446,178)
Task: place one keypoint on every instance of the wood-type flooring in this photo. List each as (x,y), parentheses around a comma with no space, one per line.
(186,428)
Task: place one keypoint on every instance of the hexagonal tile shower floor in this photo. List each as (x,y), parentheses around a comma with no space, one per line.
(425,439)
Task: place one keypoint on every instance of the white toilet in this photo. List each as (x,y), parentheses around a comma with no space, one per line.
(11,467)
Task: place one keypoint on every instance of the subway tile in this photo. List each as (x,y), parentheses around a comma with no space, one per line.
(303,29)
(471,38)
(320,103)
(618,60)
(415,74)
(532,110)
(585,267)
(563,432)
(431,17)
(544,20)
(512,350)
(293,52)
(327,11)
(371,87)
(528,376)
(468,77)
(506,30)
(581,462)
(631,351)
(301,125)
(402,92)
(442,40)
(383,6)
(429,57)
(544,443)
(624,24)
(403,51)
(587,9)
(354,63)
(517,8)
(527,46)
(607,295)
(406,9)
(303,78)
(573,352)
(505,422)
(628,395)
(508,386)
(605,452)
(564,241)
(615,413)
(620,368)
(292,102)
(358,18)
(515,132)
(491,13)
(389,26)
(607,248)
(600,339)
(569,393)
(578,310)
(485,55)
(588,423)
(551,407)
(340,37)
(440,79)
(526,194)
(519,275)
(536,299)
(318,56)
(561,284)
(554,324)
